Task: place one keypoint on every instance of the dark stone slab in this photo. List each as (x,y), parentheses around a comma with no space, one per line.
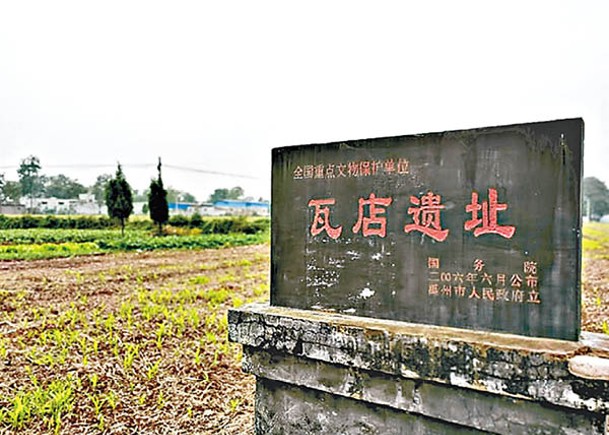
(476,229)
(283,409)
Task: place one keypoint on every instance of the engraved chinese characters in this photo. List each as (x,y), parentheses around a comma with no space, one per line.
(474,229)
(425,215)
(480,283)
(488,222)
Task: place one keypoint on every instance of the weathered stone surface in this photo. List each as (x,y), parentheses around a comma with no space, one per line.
(391,227)
(511,366)
(282,409)
(459,406)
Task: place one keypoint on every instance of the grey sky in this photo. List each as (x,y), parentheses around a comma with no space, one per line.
(216,85)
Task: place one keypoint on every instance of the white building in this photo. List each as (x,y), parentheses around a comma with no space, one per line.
(85,204)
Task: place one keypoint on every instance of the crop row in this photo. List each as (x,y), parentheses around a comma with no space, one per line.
(39,243)
(131,344)
(38,236)
(207,225)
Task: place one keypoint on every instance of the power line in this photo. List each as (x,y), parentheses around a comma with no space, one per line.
(137,165)
(205,171)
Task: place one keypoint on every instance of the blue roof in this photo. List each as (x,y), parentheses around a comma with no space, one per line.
(241,204)
(178,206)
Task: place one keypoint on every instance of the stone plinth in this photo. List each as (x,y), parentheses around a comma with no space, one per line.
(330,373)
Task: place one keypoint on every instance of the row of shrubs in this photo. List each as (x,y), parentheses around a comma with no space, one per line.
(55,222)
(207,225)
(221,225)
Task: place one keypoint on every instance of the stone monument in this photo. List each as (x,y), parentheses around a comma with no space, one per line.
(427,284)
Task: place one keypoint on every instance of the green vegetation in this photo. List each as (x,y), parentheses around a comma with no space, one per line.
(42,243)
(55,222)
(127,343)
(596,198)
(207,225)
(38,237)
(29,178)
(596,240)
(119,198)
(157,201)
(221,194)
(47,250)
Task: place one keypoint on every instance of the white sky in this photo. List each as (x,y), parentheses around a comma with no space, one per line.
(216,85)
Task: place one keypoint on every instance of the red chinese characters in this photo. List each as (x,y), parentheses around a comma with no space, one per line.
(426,210)
(426,216)
(488,223)
(375,224)
(321,219)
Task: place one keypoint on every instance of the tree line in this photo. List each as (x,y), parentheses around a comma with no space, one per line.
(113,191)
(32,183)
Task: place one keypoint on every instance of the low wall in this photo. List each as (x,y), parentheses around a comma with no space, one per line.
(329,373)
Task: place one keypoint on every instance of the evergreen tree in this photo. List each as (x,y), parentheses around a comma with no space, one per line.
(119,198)
(157,201)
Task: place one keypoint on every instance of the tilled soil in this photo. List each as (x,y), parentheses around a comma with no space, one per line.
(102,323)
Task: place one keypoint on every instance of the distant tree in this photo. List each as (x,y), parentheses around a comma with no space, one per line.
(119,198)
(2,183)
(235,193)
(188,197)
(98,190)
(12,191)
(222,194)
(218,195)
(157,201)
(596,198)
(175,195)
(29,178)
(141,197)
(62,187)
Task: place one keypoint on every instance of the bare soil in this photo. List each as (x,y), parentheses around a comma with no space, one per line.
(201,394)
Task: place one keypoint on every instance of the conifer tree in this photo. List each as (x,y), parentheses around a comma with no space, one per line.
(119,198)
(157,201)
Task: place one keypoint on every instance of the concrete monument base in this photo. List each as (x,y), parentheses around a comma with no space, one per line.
(327,373)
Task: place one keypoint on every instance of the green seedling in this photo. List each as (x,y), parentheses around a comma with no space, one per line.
(93,380)
(112,400)
(153,370)
(131,352)
(234,404)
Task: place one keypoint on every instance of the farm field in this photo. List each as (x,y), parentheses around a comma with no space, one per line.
(136,342)
(28,237)
(35,244)
(595,279)
(127,342)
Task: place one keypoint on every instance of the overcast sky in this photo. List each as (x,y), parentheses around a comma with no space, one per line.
(214,86)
